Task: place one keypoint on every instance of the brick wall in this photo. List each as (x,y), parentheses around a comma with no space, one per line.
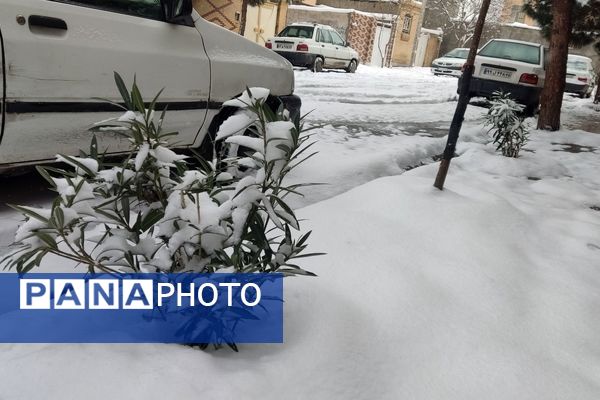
(361,35)
(220,12)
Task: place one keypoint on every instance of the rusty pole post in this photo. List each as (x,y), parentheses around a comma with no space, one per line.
(463,99)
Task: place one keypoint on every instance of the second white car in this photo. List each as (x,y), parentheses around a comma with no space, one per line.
(580,79)
(450,63)
(314,46)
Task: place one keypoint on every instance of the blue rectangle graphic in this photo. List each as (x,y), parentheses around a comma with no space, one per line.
(141,308)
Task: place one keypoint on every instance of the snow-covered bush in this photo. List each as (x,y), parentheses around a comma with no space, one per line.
(507,124)
(157,212)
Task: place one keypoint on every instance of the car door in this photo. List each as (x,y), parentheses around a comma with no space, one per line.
(342,54)
(328,50)
(61,54)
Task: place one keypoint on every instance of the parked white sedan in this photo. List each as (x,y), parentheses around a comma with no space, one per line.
(314,46)
(59,57)
(451,63)
(580,76)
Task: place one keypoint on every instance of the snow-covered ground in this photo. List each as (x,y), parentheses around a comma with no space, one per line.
(487,290)
(377,122)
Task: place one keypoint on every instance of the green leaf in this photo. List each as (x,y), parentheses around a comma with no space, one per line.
(152,218)
(123,90)
(137,99)
(47,239)
(28,212)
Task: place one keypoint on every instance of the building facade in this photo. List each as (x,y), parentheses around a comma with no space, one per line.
(262,21)
(512,12)
(383,32)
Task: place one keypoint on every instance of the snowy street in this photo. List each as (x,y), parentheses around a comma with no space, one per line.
(487,290)
(375,123)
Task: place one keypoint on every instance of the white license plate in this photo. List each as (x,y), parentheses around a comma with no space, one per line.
(498,73)
(285,45)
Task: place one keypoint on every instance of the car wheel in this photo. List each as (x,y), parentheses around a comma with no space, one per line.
(351,67)
(318,65)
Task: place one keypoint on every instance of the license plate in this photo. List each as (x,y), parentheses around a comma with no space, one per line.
(285,45)
(498,73)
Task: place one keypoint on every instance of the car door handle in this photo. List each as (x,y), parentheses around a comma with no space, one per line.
(47,22)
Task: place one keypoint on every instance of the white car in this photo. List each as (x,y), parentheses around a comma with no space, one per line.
(451,63)
(58,58)
(510,66)
(314,46)
(581,78)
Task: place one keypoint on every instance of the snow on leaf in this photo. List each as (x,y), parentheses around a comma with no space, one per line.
(245,100)
(141,156)
(235,125)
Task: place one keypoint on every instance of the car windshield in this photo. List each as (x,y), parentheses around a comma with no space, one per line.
(297,31)
(512,51)
(458,53)
(580,65)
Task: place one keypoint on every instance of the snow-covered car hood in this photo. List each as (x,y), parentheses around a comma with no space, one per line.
(449,61)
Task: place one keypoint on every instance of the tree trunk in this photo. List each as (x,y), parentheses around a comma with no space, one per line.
(552,94)
(597,98)
(243,16)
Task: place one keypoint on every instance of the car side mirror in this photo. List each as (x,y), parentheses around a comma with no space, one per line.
(178,11)
(347,44)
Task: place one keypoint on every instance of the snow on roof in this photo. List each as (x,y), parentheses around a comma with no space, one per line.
(579,57)
(324,8)
(524,26)
(438,31)
(516,41)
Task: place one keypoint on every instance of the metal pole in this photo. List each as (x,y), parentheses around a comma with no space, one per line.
(463,99)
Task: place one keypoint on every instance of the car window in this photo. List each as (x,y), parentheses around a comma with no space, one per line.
(326,36)
(579,65)
(151,9)
(458,53)
(337,39)
(297,31)
(512,51)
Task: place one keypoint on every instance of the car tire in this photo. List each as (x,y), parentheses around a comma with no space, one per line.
(210,147)
(352,67)
(317,65)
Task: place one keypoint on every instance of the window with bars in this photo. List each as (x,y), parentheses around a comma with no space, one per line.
(407,23)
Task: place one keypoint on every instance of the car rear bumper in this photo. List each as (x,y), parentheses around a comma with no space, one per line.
(520,93)
(446,71)
(298,59)
(575,88)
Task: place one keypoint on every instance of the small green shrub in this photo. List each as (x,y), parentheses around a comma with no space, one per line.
(507,124)
(155,212)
